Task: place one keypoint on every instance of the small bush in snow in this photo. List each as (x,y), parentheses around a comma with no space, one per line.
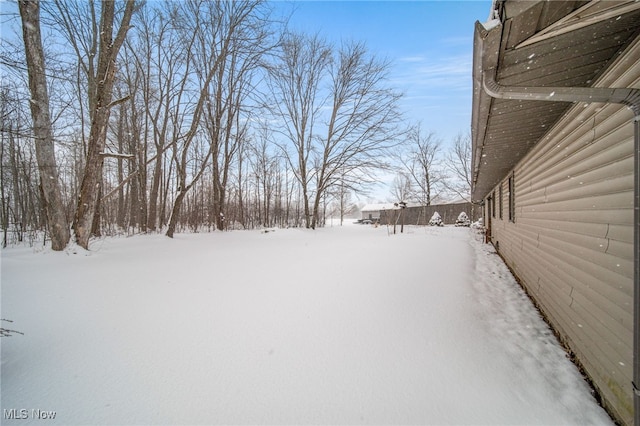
(436,220)
(463,220)
(479,224)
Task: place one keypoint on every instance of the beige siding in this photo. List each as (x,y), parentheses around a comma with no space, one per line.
(571,243)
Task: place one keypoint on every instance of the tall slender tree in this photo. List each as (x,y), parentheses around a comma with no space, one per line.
(420,163)
(296,86)
(105,72)
(458,163)
(42,127)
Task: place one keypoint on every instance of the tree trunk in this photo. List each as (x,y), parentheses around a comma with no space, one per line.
(90,186)
(121,213)
(152,218)
(45,151)
(105,76)
(307,212)
(175,213)
(315,210)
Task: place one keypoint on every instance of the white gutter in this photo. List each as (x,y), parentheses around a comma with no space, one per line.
(625,96)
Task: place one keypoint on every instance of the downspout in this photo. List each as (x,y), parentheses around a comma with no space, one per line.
(636,271)
(625,96)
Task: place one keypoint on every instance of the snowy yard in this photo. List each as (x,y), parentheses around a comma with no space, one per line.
(342,325)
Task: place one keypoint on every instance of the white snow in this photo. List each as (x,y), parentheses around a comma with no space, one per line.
(343,325)
(491,24)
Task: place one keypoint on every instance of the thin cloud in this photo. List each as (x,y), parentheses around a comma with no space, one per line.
(417,72)
(412,59)
(456,41)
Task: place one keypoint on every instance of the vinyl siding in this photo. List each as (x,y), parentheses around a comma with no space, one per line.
(571,244)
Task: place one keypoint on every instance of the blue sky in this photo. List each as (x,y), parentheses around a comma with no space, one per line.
(429,43)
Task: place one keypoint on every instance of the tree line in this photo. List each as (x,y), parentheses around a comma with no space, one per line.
(126,116)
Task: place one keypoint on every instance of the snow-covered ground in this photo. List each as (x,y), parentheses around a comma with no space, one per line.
(342,325)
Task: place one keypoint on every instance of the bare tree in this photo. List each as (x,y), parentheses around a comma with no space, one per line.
(227,112)
(339,135)
(21,205)
(295,84)
(265,168)
(343,205)
(178,145)
(42,128)
(161,61)
(458,163)
(420,164)
(101,86)
(217,35)
(402,187)
(78,24)
(363,121)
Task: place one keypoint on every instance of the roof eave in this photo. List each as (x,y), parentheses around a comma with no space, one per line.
(486,45)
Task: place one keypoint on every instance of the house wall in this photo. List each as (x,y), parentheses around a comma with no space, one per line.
(571,240)
(371,214)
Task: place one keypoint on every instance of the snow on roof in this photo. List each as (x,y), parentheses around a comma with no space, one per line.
(444,201)
(392,206)
(491,24)
(377,207)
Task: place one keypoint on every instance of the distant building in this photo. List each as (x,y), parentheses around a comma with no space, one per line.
(372,211)
(553,167)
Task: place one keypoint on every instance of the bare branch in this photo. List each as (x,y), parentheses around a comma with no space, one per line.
(119,101)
